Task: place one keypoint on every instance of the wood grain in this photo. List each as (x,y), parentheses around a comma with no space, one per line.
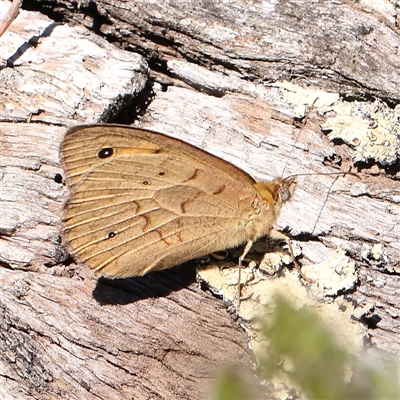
(215,76)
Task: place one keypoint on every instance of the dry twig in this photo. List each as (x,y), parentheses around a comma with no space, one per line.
(12,13)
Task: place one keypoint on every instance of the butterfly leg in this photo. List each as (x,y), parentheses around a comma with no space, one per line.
(273,234)
(241,258)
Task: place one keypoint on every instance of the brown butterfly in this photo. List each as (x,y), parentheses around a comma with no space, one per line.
(141,201)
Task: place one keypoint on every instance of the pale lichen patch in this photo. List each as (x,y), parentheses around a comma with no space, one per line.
(372,130)
(332,279)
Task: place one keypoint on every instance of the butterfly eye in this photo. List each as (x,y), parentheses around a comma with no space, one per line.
(284,193)
(106,152)
(111,235)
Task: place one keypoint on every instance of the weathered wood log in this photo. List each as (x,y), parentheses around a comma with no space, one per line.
(215,80)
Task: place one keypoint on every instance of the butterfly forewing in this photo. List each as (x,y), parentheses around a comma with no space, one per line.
(142,201)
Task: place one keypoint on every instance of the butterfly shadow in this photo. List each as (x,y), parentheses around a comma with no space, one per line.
(152,285)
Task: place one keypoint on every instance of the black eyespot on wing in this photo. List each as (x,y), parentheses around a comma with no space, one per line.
(106,152)
(145,183)
(58,178)
(111,235)
(161,173)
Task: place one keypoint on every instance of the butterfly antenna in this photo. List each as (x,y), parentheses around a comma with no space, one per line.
(323,205)
(329,190)
(324,173)
(303,124)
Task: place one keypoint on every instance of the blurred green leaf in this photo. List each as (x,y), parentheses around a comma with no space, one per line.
(303,349)
(232,385)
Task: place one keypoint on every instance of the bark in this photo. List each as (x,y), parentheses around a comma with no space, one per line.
(208,73)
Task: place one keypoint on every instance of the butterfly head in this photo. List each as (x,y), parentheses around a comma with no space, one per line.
(277,191)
